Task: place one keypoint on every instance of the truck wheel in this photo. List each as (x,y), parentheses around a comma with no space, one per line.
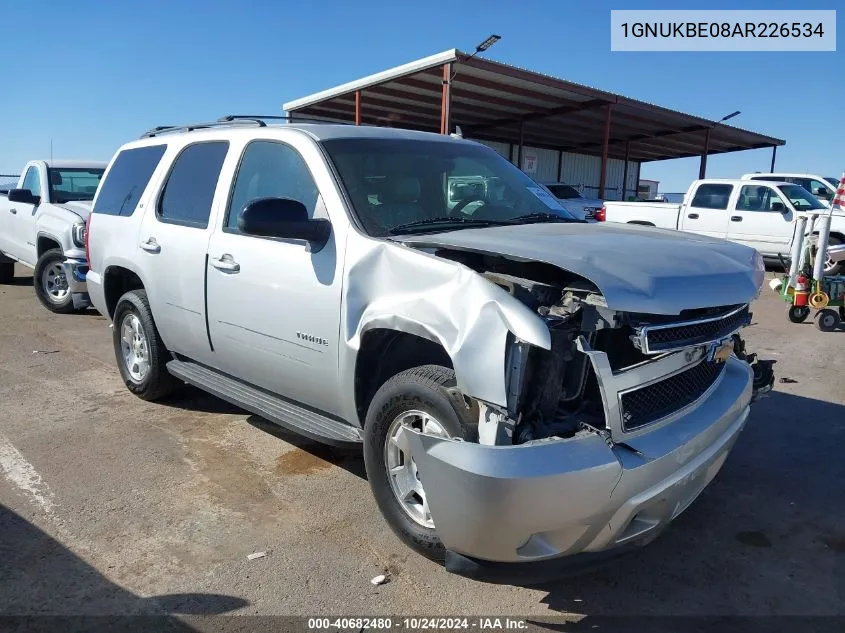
(7,272)
(415,398)
(50,283)
(799,314)
(139,350)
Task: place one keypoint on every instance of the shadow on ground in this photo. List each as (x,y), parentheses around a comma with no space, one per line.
(766,538)
(41,577)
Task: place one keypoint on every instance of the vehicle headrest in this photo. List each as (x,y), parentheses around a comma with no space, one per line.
(55,177)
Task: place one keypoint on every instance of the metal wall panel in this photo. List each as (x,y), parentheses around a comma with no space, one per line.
(584,172)
(546,163)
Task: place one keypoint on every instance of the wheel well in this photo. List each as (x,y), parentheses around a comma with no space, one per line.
(44,244)
(118,281)
(641,222)
(385,353)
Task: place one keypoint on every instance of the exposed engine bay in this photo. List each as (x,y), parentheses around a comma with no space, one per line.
(557,393)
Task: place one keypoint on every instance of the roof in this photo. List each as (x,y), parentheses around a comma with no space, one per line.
(251,129)
(489,99)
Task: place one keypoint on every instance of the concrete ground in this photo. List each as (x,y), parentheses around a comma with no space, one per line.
(112,505)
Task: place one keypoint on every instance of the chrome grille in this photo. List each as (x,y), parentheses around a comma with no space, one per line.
(653,339)
(657,400)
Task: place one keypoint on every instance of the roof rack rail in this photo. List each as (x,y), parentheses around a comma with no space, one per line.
(228,120)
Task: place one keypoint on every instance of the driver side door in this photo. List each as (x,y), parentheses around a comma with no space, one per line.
(761,219)
(22,219)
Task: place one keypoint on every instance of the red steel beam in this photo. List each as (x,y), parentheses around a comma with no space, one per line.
(604,147)
(446,98)
(357,107)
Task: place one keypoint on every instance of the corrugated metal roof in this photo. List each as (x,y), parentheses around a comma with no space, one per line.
(489,100)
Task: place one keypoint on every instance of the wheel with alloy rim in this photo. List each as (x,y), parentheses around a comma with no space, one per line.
(50,282)
(135,348)
(139,351)
(402,469)
(419,400)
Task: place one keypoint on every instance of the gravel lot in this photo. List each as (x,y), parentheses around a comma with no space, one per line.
(109,504)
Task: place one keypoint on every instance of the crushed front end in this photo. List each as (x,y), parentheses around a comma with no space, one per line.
(606,437)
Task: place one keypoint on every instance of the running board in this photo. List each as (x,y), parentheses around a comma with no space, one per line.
(282,412)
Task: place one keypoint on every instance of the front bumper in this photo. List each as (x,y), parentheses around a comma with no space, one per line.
(555,498)
(76,271)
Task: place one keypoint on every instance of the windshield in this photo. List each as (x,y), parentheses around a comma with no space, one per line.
(833,181)
(800,198)
(73,184)
(401,186)
(564,192)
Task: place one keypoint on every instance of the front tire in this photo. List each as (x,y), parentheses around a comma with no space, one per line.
(418,398)
(831,268)
(50,282)
(140,353)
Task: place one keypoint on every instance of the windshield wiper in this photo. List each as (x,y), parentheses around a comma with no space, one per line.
(446,220)
(542,217)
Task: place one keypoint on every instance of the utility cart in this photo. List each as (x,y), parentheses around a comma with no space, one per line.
(806,287)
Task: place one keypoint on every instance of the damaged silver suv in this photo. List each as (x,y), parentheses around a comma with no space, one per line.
(526,386)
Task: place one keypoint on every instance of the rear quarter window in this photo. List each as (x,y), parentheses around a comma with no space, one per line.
(712,196)
(127,179)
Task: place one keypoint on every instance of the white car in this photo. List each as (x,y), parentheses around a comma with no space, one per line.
(574,201)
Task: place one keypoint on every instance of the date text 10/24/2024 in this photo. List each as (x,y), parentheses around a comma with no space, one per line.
(417,624)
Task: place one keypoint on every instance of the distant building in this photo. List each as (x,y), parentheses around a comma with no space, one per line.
(647,189)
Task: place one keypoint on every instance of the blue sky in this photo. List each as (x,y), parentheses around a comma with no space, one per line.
(93,75)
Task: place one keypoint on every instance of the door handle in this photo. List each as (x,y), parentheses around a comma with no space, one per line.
(13,210)
(692,216)
(151,245)
(225,263)
(736,218)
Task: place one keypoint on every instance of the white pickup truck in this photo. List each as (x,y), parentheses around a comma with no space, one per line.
(755,213)
(822,187)
(42,225)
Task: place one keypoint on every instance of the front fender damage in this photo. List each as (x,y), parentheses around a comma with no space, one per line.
(394,287)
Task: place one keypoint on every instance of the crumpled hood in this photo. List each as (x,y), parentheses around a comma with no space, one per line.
(82,208)
(637,268)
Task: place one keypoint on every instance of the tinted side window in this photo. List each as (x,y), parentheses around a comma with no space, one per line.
(771,178)
(189,190)
(271,169)
(32,181)
(127,179)
(712,196)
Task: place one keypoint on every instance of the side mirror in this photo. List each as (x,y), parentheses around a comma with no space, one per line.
(822,193)
(779,207)
(283,218)
(24,196)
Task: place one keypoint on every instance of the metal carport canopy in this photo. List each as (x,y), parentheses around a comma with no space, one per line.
(494,101)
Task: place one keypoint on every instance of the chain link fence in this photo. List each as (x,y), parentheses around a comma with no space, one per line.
(8,181)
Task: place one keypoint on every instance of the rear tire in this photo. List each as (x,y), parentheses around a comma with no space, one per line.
(50,283)
(417,394)
(140,353)
(837,268)
(7,272)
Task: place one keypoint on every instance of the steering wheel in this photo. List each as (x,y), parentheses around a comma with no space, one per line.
(458,208)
